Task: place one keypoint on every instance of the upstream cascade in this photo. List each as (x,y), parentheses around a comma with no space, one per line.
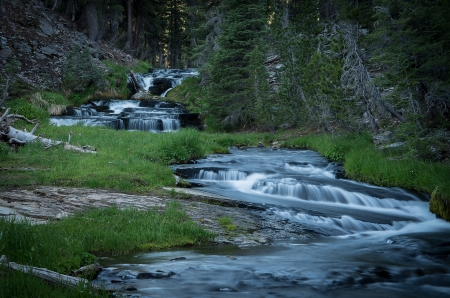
(144,115)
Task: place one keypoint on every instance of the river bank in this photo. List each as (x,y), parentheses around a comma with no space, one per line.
(254,226)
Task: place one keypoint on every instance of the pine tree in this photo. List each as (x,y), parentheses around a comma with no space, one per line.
(259,94)
(242,29)
(411,44)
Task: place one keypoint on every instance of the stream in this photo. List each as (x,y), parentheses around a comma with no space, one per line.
(370,241)
(143,115)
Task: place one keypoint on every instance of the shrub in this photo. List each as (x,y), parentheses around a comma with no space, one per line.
(80,72)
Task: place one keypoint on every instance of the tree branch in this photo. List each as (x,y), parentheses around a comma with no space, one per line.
(17,116)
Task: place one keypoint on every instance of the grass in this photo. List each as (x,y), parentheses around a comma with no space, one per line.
(137,161)
(17,284)
(363,162)
(74,241)
(227,223)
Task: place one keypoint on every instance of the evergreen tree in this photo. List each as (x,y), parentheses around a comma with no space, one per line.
(242,29)
(411,44)
(264,108)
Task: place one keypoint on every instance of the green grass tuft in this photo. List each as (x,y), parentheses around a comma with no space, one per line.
(227,223)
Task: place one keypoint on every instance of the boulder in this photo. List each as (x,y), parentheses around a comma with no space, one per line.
(46,27)
(155,275)
(143,96)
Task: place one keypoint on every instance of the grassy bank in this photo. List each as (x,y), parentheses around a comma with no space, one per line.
(363,162)
(125,161)
(72,242)
(137,161)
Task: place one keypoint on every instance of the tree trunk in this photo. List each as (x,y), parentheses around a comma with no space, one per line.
(48,275)
(92,20)
(129,41)
(137,86)
(114,24)
(105,18)
(138,29)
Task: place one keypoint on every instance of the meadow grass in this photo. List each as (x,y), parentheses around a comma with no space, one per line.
(18,284)
(125,161)
(73,242)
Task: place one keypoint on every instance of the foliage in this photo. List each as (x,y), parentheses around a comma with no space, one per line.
(28,108)
(263,104)
(178,147)
(227,99)
(80,72)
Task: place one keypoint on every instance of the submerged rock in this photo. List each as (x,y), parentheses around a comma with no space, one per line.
(155,275)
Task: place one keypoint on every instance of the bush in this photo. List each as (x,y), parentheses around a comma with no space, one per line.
(80,72)
(30,109)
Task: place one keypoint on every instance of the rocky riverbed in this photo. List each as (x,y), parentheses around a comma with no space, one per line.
(254,225)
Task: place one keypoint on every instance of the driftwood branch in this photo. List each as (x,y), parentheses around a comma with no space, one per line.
(136,83)
(34,128)
(17,116)
(393,112)
(5,115)
(47,275)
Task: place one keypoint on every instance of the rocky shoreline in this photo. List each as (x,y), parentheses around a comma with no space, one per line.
(254,224)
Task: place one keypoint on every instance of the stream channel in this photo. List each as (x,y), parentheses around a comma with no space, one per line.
(369,241)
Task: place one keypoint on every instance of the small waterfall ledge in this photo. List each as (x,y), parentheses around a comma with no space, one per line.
(139,113)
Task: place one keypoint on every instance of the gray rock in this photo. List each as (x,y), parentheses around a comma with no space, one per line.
(5,53)
(22,47)
(3,42)
(46,28)
(48,51)
(143,96)
(131,288)
(91,270)
(155,275)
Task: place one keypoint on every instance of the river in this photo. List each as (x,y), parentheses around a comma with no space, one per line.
(370,241)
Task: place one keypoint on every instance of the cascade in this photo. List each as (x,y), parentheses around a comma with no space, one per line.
(145,115)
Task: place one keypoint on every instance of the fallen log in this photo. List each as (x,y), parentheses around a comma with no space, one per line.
(136,83)
(16,136)
(48,275)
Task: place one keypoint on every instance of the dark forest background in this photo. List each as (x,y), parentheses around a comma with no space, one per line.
(332,65)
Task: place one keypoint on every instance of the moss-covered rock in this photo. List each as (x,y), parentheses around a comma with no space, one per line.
(440,205)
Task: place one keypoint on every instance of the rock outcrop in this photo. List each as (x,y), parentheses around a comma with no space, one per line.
(36,41)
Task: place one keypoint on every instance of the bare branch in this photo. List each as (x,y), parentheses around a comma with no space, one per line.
(17,116)
(5,115)
(34,128)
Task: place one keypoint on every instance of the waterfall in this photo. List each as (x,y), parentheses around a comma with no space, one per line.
(161,81)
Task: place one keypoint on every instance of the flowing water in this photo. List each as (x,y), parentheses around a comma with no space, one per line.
(143,115)
(371,241)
